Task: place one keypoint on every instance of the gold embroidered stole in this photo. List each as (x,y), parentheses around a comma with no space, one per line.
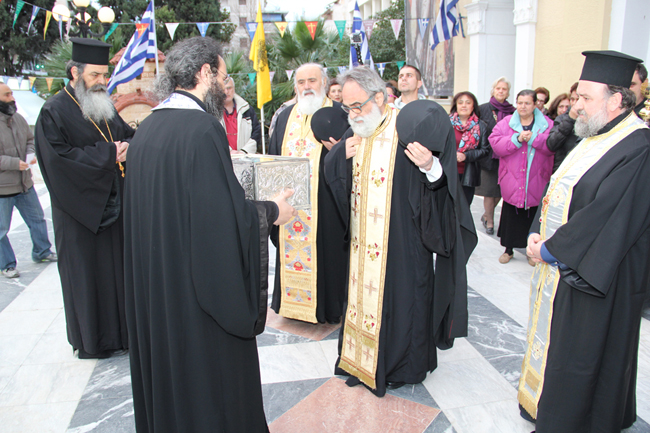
(372,181)
(298,264)
(545,279)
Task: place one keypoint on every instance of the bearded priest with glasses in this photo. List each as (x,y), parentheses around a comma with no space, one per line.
(395,181)
(81,146)
(311,260)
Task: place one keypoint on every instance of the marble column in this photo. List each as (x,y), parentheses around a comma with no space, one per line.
(525,21)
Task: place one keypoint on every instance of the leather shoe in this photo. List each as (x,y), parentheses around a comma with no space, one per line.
(489,230)
(395,385)
(505,258)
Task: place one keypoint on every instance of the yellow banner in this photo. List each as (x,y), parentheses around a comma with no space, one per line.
(261,62)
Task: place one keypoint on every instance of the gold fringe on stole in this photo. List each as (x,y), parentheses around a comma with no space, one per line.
(373,169)
(545,279)
(298,259)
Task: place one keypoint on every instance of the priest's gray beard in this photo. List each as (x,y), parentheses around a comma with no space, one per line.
(310,101)
(95,103)
(364,126)
(214,99)
(591,126)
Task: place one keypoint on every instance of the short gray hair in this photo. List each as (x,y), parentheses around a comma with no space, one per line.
(628,99)
(500,80)
(323,73)
(368,79)
(184,61)
(71,64)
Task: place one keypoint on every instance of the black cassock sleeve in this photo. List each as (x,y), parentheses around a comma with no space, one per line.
(224,238)
(598,235)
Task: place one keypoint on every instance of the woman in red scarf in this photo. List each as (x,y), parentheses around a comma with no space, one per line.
(471,139)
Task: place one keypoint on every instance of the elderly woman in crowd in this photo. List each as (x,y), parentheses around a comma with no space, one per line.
(491,113)
(559,106)
(524,170)
(334,91)
(471,139)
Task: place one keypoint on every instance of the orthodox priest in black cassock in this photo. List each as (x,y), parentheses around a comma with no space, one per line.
(77,156)
(192,265)
(397,217)
(306,264)
(593,243)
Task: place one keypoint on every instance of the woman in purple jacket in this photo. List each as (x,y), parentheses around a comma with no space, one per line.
(525,168)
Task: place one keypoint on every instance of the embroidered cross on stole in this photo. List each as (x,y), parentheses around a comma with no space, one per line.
(373,168)
(545,279)
(298,261)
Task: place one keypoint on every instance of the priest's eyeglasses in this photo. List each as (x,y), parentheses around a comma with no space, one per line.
(357,108)
(226,77)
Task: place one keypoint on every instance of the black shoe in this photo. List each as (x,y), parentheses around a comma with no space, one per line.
(82,354)
(489,230)
(484,221)
(334,322)
(525,415)
(395,385)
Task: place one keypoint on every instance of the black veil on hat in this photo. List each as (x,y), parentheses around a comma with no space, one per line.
(90,51)
(329,122)
(609,67)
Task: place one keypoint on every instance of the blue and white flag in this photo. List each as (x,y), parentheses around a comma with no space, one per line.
(422,25)
(447,23)
(357,27)
(141,47)
(203,28)
(380,68)
(31,20)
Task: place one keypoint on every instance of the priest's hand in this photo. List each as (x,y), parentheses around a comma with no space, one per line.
(419,155)
(286,211)
(351,145)
(329,144)
(122,147)
(534,248)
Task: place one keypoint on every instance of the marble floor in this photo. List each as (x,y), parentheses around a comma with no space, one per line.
(44,388)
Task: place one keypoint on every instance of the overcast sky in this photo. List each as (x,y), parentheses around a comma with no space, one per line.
(310,9)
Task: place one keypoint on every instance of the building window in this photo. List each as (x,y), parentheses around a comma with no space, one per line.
(243,42)
(242,21)
(242,2)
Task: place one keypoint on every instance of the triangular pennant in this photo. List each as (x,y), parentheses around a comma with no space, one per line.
(271,74)
(342,69)
(368,26)
(31,20)
(66,81)
(142,27)
(340,26)
(312,26)
(19,6)
(20,81)
(282,26)
(111,30)
(48,17)
(34,89)
(252,28)
(289,73)
(61,29)
(49,83)
(399,65)
(203,28)
(397,25)
(31,81)
(422,25)
(5,79)
(251,77)
(67,28)
(171,28)
(380,68)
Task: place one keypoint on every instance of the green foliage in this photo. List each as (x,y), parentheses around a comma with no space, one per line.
(55,63)
(383,45)
(19,48)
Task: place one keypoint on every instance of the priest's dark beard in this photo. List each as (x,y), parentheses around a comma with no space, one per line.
(8,108)
(214,100)
(95,103)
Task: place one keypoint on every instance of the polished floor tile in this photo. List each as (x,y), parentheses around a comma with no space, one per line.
(296,327)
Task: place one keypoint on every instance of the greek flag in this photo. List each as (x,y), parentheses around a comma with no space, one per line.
(446,24)
(357,27)
(141,47)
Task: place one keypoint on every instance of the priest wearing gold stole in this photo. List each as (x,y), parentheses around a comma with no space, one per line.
(592,245)
(401,202)
(311,259)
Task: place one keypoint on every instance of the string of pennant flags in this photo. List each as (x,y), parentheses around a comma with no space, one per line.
(251,75)
(251,27)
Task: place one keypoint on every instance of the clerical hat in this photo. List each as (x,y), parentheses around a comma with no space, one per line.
(609,67)
(90,51)
(423,121)
(329,122)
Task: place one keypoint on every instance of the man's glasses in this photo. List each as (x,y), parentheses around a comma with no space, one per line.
(226,77)
(357,108)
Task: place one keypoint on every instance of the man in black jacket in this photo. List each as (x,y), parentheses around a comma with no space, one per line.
(562,139)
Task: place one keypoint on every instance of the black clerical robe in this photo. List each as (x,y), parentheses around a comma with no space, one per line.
(331,245)
(421,308)
(86,185)
(590,377)
(192,261)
